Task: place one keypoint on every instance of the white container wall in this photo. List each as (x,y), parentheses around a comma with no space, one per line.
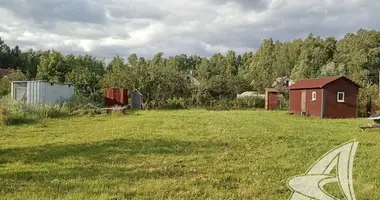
(40,92)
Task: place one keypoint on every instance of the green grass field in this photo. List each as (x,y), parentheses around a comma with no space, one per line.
(192,154)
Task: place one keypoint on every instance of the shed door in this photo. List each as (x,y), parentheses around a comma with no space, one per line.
(303,101)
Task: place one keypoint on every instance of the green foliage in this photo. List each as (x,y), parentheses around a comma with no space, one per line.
(262,69)
(249,102)
(5,82)
(87,112)
(52,67)
(175,104)
(367,95)
(14,112)
(86,75)
(200,79)
(283,101)
(4,115)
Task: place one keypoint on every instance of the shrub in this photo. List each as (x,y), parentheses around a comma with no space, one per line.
(15,112)
(175,104)
(367,95)
(283,101)
(224,104)
(4,115)
(249,102)
(84,110)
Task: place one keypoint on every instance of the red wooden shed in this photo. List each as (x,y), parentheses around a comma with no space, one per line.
(271,98)
(327,97)
(115,97)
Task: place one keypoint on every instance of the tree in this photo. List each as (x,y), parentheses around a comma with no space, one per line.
(86,75)
(53,68)
(118,74)
(262,66)
(5,82)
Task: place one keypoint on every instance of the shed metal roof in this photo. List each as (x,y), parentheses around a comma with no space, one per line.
(317,82)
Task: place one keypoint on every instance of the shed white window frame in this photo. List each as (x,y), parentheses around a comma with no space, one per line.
(313,96)
(337,96)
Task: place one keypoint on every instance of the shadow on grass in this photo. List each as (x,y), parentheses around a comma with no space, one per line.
(114,160)
(100,151)
(15,121)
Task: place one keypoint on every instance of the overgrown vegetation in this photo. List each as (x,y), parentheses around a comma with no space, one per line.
(14,112)
(5,82)
(200,80)
(248,102)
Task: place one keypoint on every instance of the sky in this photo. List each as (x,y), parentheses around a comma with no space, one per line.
(106,28)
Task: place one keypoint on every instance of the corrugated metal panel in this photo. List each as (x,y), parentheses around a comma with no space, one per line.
(18,91)
(115,97)
(57,93)
(35,93)
(40,92)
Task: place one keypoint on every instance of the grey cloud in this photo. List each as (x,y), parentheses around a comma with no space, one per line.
(137,11)
(88,31)
(243,37)
(184,29)
(257,5)
(4,30)
(23,43)
(52,10)
(169,46)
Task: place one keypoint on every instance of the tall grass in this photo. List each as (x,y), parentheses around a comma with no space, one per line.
(15,112)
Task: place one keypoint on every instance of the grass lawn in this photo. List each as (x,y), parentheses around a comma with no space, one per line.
(193,154)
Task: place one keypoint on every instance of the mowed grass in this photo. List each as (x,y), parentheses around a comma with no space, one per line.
(192,154)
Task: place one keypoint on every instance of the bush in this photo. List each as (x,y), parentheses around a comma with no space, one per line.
(368,94)
(224,104)
(170,104)
(15,112)
(83,110)
(283,102)
(175,104)
(249,102)
(5,82)
(4,115)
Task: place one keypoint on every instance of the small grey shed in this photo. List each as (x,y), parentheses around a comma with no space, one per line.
(136,99)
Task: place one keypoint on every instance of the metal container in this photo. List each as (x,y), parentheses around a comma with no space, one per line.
(115,97)
(41,92)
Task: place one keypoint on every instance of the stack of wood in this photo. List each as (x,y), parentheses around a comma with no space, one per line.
(122,109)
(376,119)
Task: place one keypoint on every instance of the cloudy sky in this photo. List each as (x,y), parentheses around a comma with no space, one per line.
(106,28)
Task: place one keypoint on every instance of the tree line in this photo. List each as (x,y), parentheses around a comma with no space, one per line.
(200,80)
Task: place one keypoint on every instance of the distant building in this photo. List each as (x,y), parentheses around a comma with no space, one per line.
(249,94)
(115,97)
(272,94)
(271,98)
(327,97)
(282,82)
(4,73)
(41,92)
